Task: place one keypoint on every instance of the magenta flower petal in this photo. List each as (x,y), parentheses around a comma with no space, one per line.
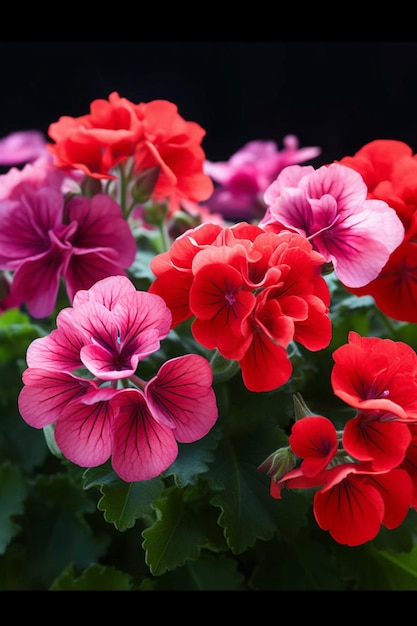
(106,291)
(22,147)
(29,236)
(60,350)
(46,394)
(101,225)
(181,397)
(121,337)
(142,448)
(83,432)
(37,282)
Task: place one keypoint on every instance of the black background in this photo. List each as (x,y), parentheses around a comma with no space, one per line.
(337,95)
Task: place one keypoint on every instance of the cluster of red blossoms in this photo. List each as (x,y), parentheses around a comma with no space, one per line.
(251,293)
(150,134)
(366,475)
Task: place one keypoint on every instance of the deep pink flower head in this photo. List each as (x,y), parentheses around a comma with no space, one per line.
(107,333)
(42,240)
(243,179)
(329,206)
(22,147)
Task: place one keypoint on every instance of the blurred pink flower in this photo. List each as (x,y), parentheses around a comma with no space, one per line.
(22,147)
(40,173)
(329,206)
(243,179)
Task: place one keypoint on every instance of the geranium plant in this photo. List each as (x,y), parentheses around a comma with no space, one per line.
(209,369)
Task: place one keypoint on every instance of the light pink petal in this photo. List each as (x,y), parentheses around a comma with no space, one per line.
(293,210)
(343,183)
(142,448)
(83,433)
(21,147)
(289,177)
(46,394)
(181,397)
(106,291)
(360,246)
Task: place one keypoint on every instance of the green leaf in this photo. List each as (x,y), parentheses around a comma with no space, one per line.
(14,575)
(94,578)
(20,444)
(16,333)
(177,536)
(373,570)
(248,512)
(123,503)
(193,459)
(208,573)
(302,565)
(13,490)
(56,530)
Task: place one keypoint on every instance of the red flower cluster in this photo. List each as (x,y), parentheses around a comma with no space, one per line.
(251,292)
(153,134)
(372,479)
(389,169)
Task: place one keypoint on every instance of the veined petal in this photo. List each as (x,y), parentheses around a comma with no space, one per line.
(181,397)
(83,433)
(313,439)
(106,291)
(142,447)
(384,443)
(36,282)
(60,350)
(46,394)
(265,365)
(352,510)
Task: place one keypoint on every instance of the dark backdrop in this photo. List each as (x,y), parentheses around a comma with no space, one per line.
(338,95)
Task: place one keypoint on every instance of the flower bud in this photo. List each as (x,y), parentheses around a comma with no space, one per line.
(278,463)
(300,408)
(144,184)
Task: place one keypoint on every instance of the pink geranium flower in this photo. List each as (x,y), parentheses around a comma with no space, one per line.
(83,241)
(110,329)
(243,179)
(22,147)
(329,206)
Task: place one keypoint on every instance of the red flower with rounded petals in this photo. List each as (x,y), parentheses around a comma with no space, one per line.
(251,293)
(376,374)
(152,135)
(314,439)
